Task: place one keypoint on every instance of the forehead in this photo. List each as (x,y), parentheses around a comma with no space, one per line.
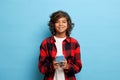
(62,19)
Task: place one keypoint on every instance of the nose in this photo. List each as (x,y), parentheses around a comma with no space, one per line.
(60,23)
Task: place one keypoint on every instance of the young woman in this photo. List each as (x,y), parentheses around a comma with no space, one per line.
(60,44)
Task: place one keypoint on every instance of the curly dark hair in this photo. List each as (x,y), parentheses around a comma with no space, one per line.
(57,15)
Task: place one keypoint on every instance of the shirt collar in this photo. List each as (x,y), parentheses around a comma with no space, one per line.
(52,39)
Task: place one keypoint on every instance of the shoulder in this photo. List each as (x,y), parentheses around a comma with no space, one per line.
(45,40)
(74,42)
(44,43)
(48,40)
(73,39)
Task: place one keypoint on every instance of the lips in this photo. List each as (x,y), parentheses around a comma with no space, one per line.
(60,28)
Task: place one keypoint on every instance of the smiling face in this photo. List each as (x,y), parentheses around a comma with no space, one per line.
(60,23)
(61,26)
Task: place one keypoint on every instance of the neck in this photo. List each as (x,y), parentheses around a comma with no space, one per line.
(60,35)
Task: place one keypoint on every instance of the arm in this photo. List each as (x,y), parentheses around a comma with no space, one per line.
(45,65)
(74,63)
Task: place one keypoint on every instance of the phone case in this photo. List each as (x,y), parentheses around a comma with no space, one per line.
(59,58)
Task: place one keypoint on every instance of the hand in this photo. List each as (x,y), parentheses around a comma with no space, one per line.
(64,64)
(56,65)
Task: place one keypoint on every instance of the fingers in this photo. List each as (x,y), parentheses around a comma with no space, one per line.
(56,65)
(54,62)
(64,64)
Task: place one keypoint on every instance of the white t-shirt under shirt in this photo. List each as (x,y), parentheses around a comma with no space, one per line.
(59,73)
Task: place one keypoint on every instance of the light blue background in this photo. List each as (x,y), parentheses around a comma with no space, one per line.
(23,25)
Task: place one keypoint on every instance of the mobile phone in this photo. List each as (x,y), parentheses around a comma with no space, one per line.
(59,59)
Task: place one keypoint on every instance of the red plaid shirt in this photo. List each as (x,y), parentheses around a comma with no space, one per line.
(71,51)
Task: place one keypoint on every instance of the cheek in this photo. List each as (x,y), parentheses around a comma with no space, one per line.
(66,26)
(56,25)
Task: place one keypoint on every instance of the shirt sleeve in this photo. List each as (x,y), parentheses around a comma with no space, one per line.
(45,62)
(75,64)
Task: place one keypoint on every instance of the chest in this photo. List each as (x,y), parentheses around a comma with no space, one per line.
(68,50)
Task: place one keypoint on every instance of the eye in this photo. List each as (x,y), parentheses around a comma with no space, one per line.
(57,21)
(64,21)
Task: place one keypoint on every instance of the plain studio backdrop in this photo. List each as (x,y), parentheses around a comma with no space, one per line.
(23,25)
